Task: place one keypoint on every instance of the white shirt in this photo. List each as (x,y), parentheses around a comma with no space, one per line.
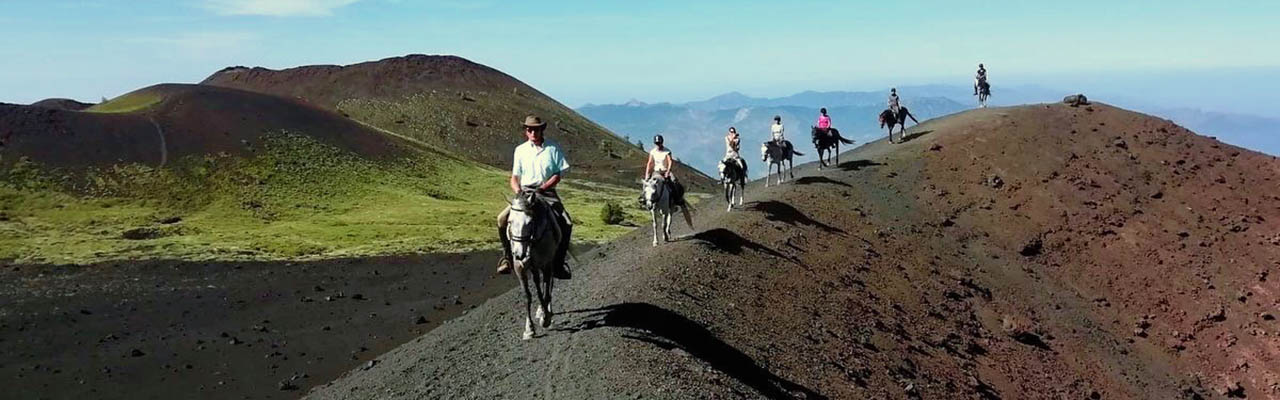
(660,159)
(776,129)
(534,165)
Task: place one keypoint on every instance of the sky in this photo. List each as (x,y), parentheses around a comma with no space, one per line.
(598,51)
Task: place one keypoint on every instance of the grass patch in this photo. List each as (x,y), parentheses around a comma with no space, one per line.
(127,103)
(297,199)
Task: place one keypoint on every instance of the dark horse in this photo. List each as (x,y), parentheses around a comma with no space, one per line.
(828,142)
(733,172)
(887,118)
(984,92)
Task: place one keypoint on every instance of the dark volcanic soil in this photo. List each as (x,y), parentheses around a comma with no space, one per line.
(174,330)
(1036,252)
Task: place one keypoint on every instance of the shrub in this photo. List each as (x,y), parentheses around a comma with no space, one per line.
(611,213)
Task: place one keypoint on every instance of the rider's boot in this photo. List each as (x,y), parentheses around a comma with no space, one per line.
(561,268)
(504,263)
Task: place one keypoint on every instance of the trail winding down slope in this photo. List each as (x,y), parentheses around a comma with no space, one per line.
(1027,252)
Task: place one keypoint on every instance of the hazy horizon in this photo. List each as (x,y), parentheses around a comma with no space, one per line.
(588,52)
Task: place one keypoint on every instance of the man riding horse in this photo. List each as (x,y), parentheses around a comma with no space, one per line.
(538,165)
(980,79)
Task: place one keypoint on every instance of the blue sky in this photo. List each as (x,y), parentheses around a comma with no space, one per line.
(609,51)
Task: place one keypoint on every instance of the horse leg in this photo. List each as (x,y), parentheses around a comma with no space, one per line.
(728,195)
(540,313)
(666,225)
(654,213)
(523,273)
(546,299)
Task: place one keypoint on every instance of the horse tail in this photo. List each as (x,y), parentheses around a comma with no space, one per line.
(796,153)
(845,141)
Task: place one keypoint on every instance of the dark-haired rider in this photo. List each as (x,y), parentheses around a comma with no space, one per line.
(824,124)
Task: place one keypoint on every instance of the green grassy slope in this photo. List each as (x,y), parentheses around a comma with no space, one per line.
(297,199)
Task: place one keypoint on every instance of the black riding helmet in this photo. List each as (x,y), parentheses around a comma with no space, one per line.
(777,118)
(823,111)
(657,139)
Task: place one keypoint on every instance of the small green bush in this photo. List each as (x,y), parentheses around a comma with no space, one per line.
(612,213)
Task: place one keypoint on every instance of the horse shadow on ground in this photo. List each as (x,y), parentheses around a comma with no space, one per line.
(809,180)
(858,165)
(730,242)
(670,330)
(915,135)
(782,212)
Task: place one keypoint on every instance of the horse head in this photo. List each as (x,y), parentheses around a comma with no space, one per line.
(522,226)
(764,151)
(653,191)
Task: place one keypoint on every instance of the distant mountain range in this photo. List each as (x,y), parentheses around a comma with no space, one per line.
(695,130)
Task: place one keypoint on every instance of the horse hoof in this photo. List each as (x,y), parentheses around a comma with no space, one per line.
(546,321)
(527,335)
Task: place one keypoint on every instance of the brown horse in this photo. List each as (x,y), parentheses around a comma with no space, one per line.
(888,118)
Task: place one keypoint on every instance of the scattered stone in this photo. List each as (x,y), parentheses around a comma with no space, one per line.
(287,385)
(369,365)
(357,296)
(171,220)
(136,353)
(457,300)
(995,182)
(1266,316)
(1120,143)
(1157,195)
(935,147)
(1233,390)
(1032,248)
(421,320)
(1076,100)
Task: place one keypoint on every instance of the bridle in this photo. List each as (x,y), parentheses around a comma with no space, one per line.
(539,227)
(652,200)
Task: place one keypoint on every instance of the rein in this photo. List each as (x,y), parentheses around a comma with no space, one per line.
(540,226)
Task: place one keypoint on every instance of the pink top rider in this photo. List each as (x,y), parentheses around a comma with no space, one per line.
(824,122)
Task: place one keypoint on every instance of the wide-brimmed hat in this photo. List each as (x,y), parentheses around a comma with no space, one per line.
(533,121)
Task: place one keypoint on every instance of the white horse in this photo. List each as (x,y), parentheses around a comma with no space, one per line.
(534,236)
(657,198)
(734,176)
(779,154)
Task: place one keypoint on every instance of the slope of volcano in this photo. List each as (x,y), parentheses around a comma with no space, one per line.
(1038,252)
(455,104)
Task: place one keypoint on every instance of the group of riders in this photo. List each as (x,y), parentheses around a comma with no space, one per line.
(539,165)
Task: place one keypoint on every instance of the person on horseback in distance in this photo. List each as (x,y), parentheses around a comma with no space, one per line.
(893,101)
(776,130)
(979,78)
(733,147)
(824,124)
(661,164)
(538,165)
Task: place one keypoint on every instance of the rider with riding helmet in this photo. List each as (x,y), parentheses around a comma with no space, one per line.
(979,79)
(660,165)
